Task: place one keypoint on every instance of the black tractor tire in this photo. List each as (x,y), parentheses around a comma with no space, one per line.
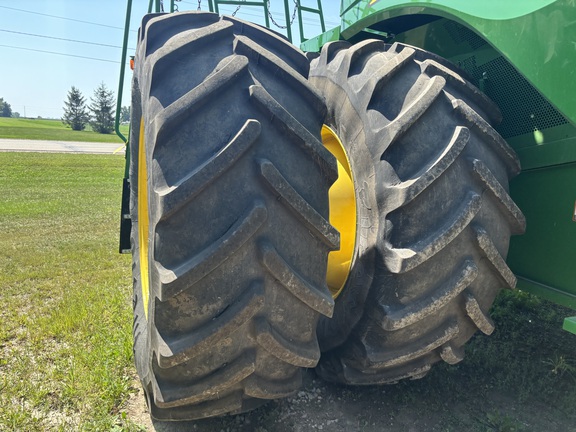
(434,215)
(237,208)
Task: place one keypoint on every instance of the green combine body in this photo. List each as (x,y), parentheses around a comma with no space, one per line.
(403,291)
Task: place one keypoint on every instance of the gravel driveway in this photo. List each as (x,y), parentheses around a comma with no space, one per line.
(60,146)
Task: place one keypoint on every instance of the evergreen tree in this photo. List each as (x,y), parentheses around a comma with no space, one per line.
(102,108)
(5,108)
(125,114)
(75,114)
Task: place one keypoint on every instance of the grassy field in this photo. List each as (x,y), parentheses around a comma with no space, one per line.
(53,130)
(65,333)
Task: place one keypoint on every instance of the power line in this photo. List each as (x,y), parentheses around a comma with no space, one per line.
(65,18)
(70,40)
(307,20)
(243,12)
(62,39)
(62,54)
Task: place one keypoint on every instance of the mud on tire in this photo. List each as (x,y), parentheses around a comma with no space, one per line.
(434,215)
(237,185)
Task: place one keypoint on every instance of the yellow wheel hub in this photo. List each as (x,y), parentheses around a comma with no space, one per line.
(342,214)
(143,222)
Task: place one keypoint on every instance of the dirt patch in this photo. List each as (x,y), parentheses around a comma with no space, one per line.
(407,407)
(136,408)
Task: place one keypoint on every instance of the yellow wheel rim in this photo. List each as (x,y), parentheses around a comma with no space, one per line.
(143,222)
(342,214)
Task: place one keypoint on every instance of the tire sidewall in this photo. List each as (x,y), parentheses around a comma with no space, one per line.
(349,305)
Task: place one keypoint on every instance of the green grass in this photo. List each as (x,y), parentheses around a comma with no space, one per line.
(528,364)
(529,353)
(65,337)
(53,130)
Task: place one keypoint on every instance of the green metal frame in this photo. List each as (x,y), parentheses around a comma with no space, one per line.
(318,11)
(570,324)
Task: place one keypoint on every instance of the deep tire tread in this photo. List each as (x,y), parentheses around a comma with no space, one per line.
(391,68)
(261,388)
(445,215)
(438,339)
(276,65)
(209,408)
(401,260)
(289,125)
(164,26)
(320,301)
(414,111)
(451,354)
(431,68)
(304,211)
(498,263)
(508,206)
(175,351)
(273,43)
(475,122)
(419,310)
(408,190)
(210,387)
(296,354)
(196,99)
(330,50)
(178,196)
(184,44)
(216,96)
(481,320)
(356,54)
(412,370)
(174,281)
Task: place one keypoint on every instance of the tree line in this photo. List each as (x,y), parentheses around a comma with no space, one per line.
(99,114)
(6,109)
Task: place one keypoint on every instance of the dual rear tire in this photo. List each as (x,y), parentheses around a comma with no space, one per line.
(229,204)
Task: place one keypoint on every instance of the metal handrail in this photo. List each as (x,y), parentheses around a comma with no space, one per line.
(122,71)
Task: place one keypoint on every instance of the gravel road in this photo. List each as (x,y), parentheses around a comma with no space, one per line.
(60,146)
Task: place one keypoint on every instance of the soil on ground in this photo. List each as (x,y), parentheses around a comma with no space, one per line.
(321,406)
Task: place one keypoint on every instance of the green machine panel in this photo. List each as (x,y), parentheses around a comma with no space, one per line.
(543,258)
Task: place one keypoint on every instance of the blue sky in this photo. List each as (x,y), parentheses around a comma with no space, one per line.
(36,83)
